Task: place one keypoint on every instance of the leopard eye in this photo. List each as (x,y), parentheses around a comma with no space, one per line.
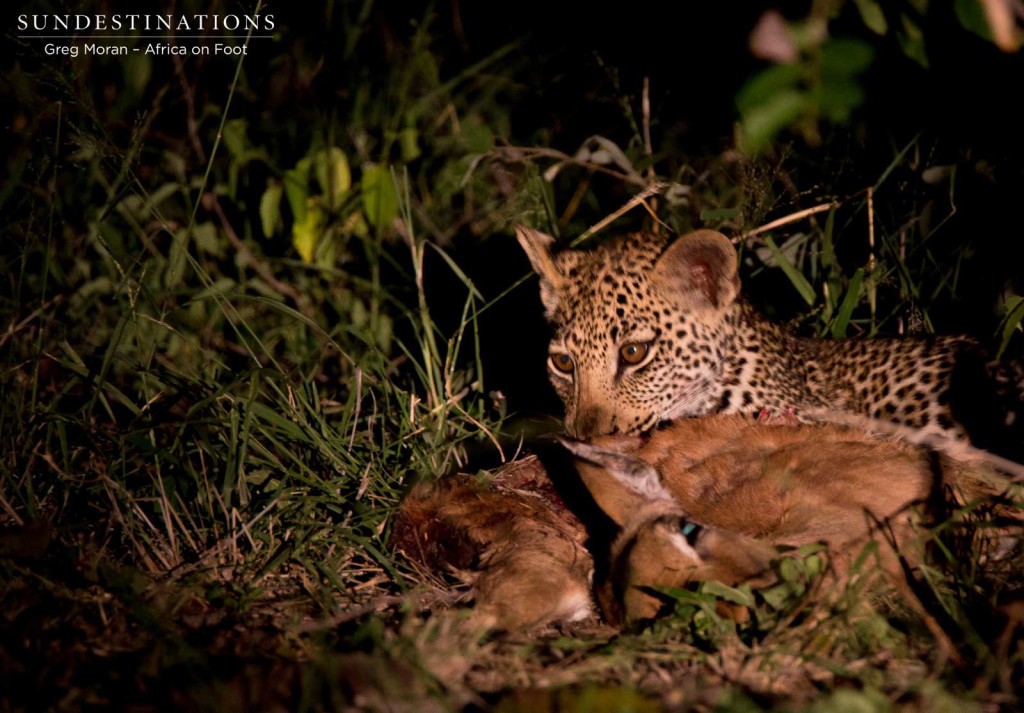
(562,362)
(634,352)
(691,531)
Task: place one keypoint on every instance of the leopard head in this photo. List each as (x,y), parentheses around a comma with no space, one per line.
(637,324)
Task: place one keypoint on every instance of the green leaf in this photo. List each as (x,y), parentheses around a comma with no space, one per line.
(234,138)
(174,273)
(766,85)
(760,126)
(219,288)
(688,596)
(815,565)
(137,68)
(477,138)
(1011,322)
(912,41)
(408,141)
(812,548)
(872,15)
(742,596)
(850,300)
(380,202)
(828,253)
(971,15)
(795,276)
(384,333)
(776,597)
(270,208)
(296,188)
(837,100)
(790,570)
(814,557)
(158,196)
(844,58)
(333,174)
(306,232)
(356,225)
(207,239)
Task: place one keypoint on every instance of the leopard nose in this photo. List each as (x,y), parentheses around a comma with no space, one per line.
(594,421)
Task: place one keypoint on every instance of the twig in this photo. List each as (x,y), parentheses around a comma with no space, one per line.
(786,220)
(357,409)
(903,260)
(645,106)
(11,512)
(639,198)
(871,229)
(871,283)
(574,202)
(486,431)
(35,314)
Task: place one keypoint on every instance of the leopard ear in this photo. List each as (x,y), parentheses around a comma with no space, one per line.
(537,246)
(700,271)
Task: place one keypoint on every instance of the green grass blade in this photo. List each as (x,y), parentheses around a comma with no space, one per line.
(795,276)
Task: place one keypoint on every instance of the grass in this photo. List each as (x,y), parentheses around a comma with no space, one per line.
(223,364)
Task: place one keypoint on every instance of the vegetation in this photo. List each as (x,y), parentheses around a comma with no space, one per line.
(250,300)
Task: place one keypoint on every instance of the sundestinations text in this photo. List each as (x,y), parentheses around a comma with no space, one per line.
(145,23)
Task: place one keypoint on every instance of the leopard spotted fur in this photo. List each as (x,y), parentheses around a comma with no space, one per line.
(647,331)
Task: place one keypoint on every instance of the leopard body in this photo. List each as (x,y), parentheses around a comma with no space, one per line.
(647,331)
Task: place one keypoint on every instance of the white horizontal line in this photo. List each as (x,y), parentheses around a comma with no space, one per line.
(141,37)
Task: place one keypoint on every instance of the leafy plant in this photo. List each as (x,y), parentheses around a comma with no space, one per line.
(816,78)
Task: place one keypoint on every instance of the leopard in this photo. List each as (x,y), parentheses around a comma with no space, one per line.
(647,329)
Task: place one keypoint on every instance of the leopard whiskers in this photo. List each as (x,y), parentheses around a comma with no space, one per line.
(687,403)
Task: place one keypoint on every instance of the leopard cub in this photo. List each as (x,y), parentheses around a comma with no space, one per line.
(647,331)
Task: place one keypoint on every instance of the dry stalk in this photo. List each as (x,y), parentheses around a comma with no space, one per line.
(647,192)
(785,220)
